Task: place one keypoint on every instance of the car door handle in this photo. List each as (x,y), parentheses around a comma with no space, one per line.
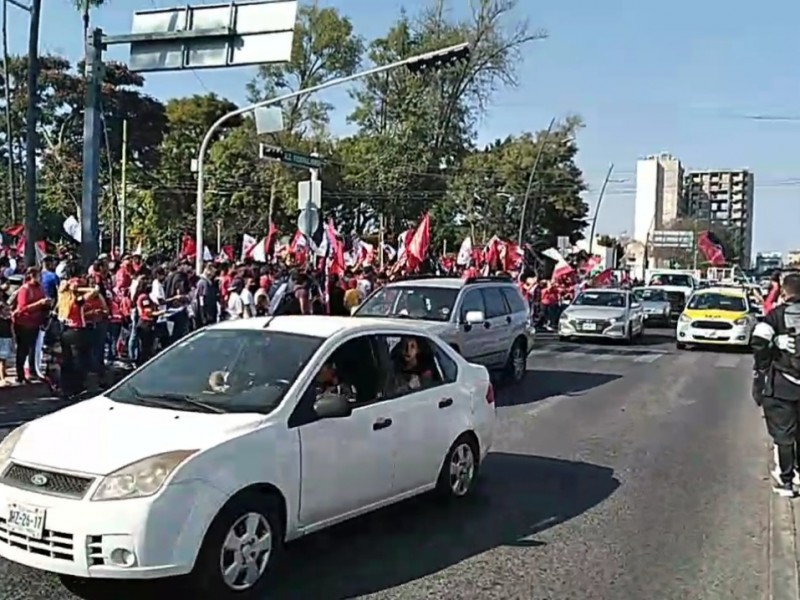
(508,320)
(486,324)
(445,402)
(381,424)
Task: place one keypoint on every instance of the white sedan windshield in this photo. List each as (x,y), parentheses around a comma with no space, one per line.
(221,370)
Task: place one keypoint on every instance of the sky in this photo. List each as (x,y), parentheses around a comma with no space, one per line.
(683,77)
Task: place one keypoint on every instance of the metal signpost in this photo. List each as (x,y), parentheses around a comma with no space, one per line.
(174,39)
(437,59)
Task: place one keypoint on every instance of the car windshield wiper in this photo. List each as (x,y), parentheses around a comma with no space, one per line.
(169,400)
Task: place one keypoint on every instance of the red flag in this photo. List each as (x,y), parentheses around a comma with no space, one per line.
(711,248)
(335,250)
(269,243)
(188,247)
(512,257)
(417,248)
(602,279)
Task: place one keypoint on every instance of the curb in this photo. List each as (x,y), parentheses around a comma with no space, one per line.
(782,552)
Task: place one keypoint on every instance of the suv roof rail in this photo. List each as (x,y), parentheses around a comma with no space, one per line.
(420,276)
(490,279)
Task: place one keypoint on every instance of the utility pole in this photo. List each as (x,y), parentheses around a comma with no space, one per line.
(31,135)
(123,198)
(597,208)
(529,187)
(90,230)
(12,183)
(313,173)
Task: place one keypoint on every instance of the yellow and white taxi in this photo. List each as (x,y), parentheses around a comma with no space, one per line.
(719,316)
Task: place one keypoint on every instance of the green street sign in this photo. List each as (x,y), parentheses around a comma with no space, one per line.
(301,160)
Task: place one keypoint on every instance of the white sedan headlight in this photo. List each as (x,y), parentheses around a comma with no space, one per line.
(613,321)
(9,443)
(141,479)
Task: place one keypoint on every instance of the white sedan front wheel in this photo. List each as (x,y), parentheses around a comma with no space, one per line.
(240,549)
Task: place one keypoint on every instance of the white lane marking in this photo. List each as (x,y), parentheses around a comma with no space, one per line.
(604,357)
(647,358)
(728,361)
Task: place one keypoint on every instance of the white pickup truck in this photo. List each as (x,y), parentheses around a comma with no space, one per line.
(679,285)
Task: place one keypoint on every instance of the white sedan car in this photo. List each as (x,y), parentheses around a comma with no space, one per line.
(241,437)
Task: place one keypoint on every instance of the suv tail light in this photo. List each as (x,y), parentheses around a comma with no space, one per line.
(490,394)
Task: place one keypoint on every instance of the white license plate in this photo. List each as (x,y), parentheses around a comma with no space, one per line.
(26,520)
(712,334)
(590,326)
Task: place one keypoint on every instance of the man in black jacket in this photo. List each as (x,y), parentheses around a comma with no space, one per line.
(776,379)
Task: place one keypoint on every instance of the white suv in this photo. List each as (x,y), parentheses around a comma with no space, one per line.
(238,438)
(486,319)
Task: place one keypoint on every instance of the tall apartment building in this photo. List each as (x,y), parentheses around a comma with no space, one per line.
(659,194)
(724,198)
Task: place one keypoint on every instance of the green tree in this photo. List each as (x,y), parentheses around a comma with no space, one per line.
(174,184)
(428,122)
(487,191)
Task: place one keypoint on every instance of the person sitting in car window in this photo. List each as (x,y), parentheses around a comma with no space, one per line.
(329,382)
(413,366)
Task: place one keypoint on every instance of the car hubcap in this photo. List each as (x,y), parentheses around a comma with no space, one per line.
(518,363)
(462,469)
(246,551)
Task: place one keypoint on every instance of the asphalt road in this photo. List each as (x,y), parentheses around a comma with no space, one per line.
(618,473)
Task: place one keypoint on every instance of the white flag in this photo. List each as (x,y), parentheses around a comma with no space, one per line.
(259,252)
(207,256)
(248,243)
(562,267)
(465,252)
(72,227)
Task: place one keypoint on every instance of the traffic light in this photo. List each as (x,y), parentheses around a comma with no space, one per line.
(440,59)
(270,152)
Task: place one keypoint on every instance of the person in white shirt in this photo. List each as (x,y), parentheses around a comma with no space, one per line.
(247,298)
(236,307)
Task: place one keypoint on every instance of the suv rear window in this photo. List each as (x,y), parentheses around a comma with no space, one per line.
(515,300)
(413,302)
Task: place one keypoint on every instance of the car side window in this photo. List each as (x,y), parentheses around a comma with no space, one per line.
(495,304)
(414,364)
(515,300)
(351,370)
(472,301)
(447,365)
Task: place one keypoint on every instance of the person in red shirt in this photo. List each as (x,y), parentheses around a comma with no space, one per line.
(774,293)
(551,299)
(146,325)
(30,314)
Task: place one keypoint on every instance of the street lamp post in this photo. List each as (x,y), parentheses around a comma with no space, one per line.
(430,60)
(597,208)
(529,187)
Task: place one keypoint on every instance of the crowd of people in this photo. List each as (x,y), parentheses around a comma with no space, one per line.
(65,323)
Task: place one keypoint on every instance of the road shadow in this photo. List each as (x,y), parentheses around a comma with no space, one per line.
(519,497)
(540,384)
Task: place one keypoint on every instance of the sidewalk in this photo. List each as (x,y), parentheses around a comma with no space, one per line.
(783,546)
(20,403)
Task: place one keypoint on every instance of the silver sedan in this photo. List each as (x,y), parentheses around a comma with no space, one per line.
(603,313)
(656,305)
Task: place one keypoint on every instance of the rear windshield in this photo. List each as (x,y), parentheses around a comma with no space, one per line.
(411,302)
(672,279)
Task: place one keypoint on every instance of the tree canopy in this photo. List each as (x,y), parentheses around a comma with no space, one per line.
(412,145)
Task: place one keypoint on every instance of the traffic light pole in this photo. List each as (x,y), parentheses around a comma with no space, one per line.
(419,62)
